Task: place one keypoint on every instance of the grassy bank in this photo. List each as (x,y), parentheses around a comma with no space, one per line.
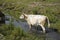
(9,32)
(15,8)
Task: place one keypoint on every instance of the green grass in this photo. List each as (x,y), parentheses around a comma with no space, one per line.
(10,32)
(16,7)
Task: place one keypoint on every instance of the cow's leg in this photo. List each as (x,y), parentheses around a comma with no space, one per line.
(29,27)
(43,28)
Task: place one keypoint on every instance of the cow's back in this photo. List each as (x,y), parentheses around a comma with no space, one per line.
(34,19)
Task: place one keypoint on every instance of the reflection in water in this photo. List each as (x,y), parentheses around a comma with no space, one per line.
(50,35)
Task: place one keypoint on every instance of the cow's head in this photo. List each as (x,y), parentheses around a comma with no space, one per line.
(23,16)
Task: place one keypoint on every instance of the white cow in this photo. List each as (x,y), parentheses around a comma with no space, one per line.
(36,20)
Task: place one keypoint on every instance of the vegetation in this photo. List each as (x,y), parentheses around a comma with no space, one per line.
(10,32)
(50,8)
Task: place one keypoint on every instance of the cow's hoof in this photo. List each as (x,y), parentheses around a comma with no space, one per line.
(43,31)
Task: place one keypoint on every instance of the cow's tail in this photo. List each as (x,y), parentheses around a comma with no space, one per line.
(48,22)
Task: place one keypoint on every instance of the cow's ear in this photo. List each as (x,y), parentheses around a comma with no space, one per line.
(25,16)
